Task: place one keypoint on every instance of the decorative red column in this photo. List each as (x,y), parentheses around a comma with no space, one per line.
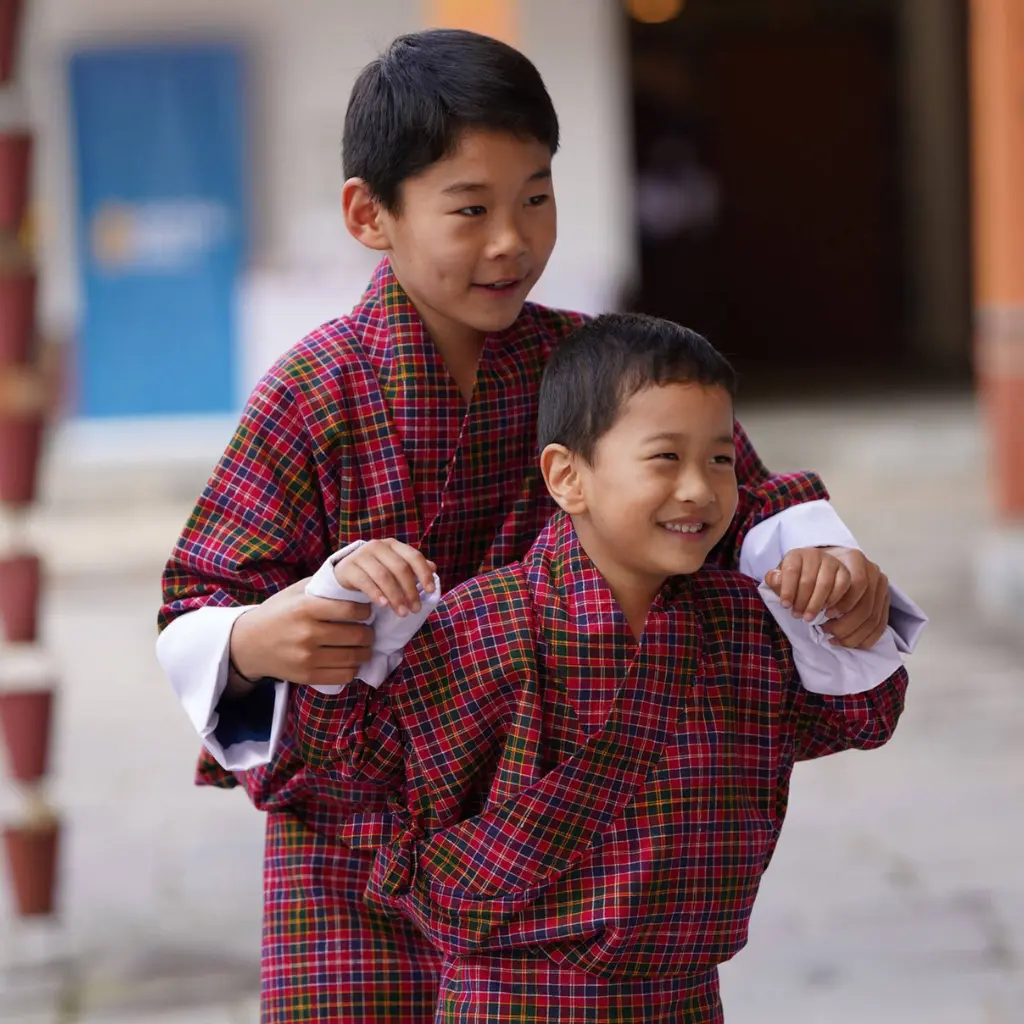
(997,51)
(997,118)
(30,838)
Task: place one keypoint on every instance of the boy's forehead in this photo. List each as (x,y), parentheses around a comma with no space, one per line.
(482,157)
(688,408)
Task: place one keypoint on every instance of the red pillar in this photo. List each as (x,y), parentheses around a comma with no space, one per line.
(30,838)
(997,81)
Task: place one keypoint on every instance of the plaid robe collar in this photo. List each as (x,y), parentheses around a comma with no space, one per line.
(583,636)
(408,364)
(414,382)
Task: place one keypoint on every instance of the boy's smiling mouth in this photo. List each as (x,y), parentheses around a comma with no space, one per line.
(504,285)
(685,527)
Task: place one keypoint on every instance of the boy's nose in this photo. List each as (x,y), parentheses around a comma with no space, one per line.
(695,489)
(508,241)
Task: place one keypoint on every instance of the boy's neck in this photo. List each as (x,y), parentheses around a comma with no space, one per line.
(633,595)
(461,353)
(460,347)
(635,604)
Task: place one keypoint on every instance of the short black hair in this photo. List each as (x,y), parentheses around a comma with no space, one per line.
(600,366)
(410,106)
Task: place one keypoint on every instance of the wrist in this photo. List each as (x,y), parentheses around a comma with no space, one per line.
(243,666)
(238,686)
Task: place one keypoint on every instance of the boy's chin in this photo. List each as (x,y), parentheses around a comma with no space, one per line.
(496,323)
(689,565)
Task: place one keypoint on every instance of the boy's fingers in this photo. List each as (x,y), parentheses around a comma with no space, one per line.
(840,590)
(403,574)
(808,580)
(860,586)
(426,575)
(774,580)
(361,580)
(422,567)
(341,656)
(824,586)
(423,571)
(391,585)
(862,615)
(869,628)
(325,609)
(840,585)
(865,637)
(790,573)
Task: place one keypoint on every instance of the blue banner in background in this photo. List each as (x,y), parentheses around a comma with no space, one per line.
(162,234)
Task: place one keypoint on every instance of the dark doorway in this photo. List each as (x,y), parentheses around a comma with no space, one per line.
(770,185)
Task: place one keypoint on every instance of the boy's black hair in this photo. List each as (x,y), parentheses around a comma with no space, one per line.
(410,106)
(600,366)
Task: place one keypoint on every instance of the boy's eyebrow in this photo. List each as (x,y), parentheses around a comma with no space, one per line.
(669,435)
(459,188)
(463,187)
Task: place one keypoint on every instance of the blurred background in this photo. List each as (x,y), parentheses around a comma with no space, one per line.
(831,190)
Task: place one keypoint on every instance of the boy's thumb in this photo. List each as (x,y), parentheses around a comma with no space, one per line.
(774,579)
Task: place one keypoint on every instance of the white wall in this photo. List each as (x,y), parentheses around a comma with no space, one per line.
(304,57)
(580,48)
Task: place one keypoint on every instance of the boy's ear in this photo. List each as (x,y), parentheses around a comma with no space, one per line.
(562,476)
(363,215)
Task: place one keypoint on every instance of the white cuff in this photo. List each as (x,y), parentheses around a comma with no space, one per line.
(827,668)
(815,524)
(391,631)
(812,524)
(906,619)
(193,652)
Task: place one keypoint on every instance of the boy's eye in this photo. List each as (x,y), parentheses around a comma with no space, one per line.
(670,456)
(723,460)
(538,200)
(472,211)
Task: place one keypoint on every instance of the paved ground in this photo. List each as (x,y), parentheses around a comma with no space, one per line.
(896,896)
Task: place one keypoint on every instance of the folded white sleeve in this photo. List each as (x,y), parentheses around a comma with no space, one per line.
(826,668)
(193,652)
(391,632)
(815,524)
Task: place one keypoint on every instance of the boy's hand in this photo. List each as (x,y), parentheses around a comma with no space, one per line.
(851,589)
(387,572)
(303,639)
(862,616)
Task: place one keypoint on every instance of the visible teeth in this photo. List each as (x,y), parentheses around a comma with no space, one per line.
(679,528)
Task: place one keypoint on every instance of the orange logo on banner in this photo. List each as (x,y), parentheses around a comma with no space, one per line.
(495,18)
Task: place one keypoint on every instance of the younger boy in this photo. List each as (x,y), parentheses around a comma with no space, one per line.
(589,752)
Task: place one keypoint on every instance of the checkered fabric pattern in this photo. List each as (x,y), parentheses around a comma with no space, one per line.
(359,431)
(327,955)
(527,987)
(566,789)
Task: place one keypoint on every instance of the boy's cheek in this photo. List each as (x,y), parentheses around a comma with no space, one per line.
(731,506)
